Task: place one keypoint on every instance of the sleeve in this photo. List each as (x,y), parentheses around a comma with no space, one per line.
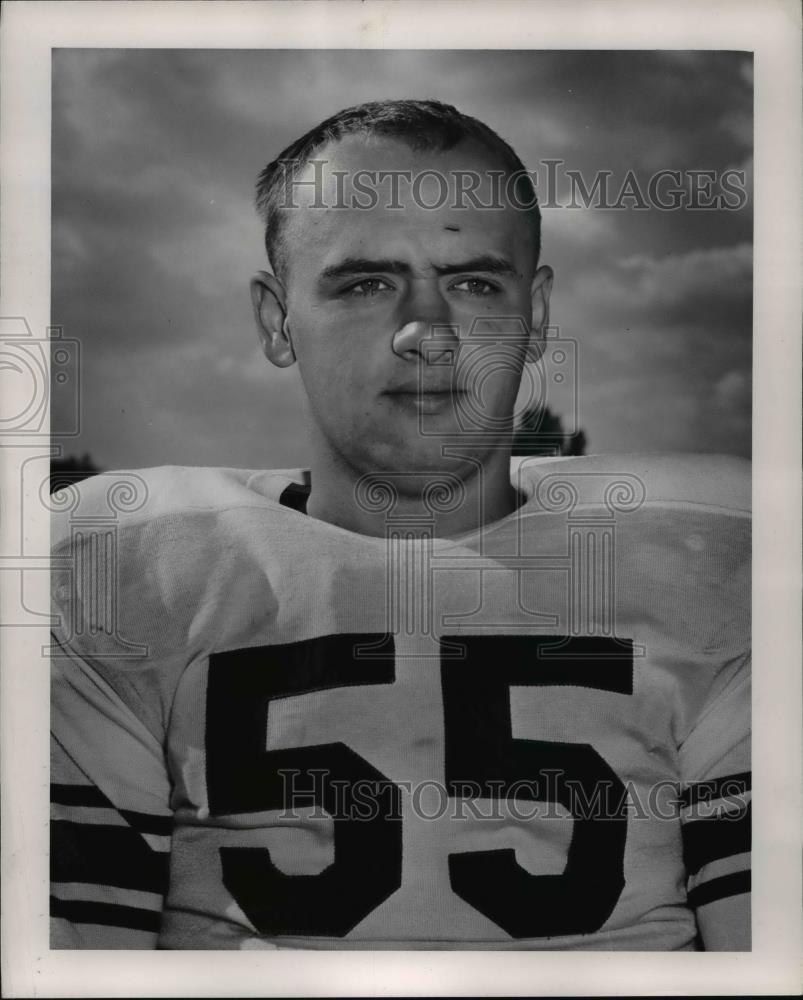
(715,810)
(111,821)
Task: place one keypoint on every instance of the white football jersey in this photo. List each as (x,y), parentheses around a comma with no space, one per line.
(269,731)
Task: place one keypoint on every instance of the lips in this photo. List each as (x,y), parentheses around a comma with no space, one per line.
(425,399)
(436,389)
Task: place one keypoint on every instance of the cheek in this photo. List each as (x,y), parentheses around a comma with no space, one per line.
(336,380)
(491,373)
(500,385)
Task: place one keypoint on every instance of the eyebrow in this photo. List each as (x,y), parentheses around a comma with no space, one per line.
(489,263)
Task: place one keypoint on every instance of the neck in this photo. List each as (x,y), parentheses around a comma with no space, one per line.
(461,498)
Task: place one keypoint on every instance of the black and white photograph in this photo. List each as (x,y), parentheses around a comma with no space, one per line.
(399,476)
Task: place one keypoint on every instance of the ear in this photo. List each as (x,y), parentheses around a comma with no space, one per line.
(540,290)
(270,311)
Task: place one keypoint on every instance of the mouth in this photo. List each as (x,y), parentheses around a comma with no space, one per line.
(424,400)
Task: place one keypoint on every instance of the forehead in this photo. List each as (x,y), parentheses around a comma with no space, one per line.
(366,195)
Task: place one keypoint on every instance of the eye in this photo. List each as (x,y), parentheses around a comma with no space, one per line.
(475,286)
(367,287)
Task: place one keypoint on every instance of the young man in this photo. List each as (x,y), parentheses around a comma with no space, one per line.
(409,698)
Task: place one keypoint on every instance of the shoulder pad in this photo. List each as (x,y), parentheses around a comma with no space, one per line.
(138,496)
(133,553)
(719,482)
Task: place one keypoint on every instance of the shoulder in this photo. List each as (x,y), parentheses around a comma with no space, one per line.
(140,558)
(717,482)
(677,529)
(138,499)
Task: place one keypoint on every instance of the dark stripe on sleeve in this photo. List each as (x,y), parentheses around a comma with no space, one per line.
(148,822)
(708,791)
(705,840)
(720,888)
(107,914)
(105,855)
(79,795)
(88,795)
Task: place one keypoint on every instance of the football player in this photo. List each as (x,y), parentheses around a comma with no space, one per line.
(415,696)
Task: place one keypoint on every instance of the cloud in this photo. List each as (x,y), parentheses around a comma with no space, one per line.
(207,405)
(732,391)
(664,343)
(259,86)
(702,286)
(577,225)
(668,279)
(739,124)
(729,410)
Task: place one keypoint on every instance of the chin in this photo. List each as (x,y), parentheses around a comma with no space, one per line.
(425,458)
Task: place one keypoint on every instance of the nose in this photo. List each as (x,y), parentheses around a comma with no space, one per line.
(432,343)
(426,333)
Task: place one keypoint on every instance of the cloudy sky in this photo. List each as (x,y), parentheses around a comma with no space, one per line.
(155,153)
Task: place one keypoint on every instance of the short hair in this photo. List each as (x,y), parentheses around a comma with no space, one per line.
(422,125)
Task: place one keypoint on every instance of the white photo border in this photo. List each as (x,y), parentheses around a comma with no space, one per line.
(769,28)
